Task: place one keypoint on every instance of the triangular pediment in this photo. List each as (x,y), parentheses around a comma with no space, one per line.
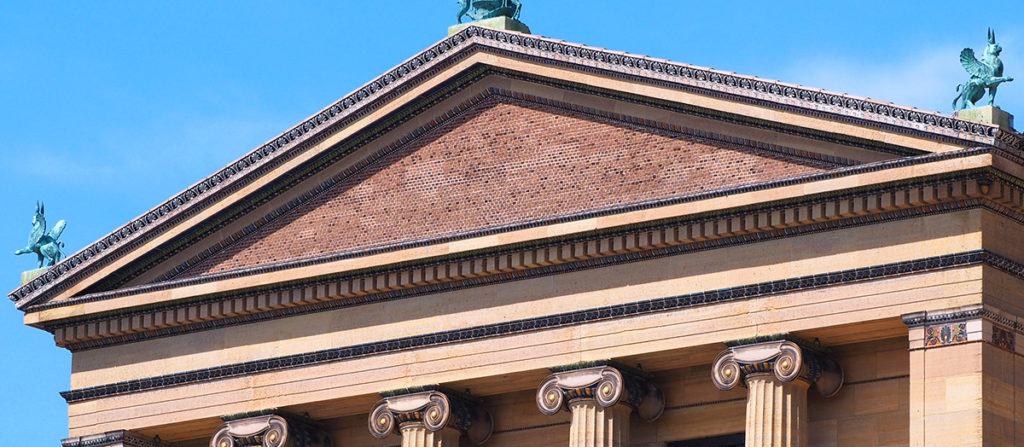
(488,131)
(502,163)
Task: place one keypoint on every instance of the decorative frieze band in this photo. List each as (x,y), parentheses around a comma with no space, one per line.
(118,438)
(269,430)
(664,239)
(966,324)
(788,96)
(784,359)
(607,385)
(625,310)
(434,410)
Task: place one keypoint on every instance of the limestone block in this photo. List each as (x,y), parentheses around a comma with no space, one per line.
(502,23)
(28,276)
(988,114)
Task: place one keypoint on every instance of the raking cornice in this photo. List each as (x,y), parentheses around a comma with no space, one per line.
(199,196)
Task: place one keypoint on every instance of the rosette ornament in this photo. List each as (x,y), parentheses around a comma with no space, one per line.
(783,359)
(271,430)
(433,410)
(605,385)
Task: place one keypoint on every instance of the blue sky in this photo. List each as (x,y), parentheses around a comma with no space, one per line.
(108,108)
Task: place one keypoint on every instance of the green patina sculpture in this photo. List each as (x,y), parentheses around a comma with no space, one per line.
(985,74)
(486,9)
(46,246)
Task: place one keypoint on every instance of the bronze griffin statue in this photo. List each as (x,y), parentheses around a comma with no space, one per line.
(44,245)
(486,9)
(986,73)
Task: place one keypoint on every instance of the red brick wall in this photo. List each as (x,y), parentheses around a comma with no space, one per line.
(500,163)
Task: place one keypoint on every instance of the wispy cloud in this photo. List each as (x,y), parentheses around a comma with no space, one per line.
(179,151)
(925,79)
(48,165)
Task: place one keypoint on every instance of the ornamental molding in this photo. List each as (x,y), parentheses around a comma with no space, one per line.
(918,319)
(965,324)
(608,386)
(727,82)
(529,325)
(269,430)
(550,51)
(118,438)
(434,410)
(665,239)
(784,359)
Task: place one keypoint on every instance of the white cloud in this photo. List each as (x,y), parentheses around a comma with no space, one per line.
(925,79)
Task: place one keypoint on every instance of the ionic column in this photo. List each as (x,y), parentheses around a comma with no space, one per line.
(600,399)
(418,435)
(777,375)
(269,430)
(431,419)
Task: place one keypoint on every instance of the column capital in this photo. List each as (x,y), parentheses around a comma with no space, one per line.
(607,385)
(268,429)
(116,438)
(435,410)
(785,359)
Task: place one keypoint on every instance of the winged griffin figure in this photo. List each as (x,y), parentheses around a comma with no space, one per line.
(486,9)
(44,245)
(986,73)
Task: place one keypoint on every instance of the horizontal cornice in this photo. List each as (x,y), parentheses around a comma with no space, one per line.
(829,212)
(423,65)
(576,217)
(613,312)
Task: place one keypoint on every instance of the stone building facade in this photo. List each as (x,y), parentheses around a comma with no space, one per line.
(512,240)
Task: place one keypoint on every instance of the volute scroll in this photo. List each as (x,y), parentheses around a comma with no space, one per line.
(784,359)
(269,430)
(605,384)
(435,410)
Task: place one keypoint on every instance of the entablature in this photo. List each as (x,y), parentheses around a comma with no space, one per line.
(821,202)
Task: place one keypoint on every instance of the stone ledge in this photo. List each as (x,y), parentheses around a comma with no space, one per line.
(988,114)
(28,276)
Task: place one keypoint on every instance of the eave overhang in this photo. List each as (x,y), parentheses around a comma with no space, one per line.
(770,100)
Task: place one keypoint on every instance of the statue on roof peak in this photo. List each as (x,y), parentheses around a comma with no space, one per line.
(486,9)
(986,73)
(45,245)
